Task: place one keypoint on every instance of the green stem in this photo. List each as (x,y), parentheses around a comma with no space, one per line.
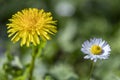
(36,52)
(32,65)
(91,70)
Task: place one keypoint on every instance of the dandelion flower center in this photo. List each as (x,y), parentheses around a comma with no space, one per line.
(96,50)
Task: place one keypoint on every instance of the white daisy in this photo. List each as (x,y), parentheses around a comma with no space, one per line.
(95,49)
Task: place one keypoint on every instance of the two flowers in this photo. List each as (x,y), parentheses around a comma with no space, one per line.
(32,25)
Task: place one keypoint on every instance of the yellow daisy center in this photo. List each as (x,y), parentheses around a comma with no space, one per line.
(96,50)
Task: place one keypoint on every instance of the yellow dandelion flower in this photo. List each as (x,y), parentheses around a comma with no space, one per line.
(30,26)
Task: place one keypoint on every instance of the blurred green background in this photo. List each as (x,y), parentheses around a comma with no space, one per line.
(78,20)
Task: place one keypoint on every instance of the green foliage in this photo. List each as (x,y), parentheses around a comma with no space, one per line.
(61,58)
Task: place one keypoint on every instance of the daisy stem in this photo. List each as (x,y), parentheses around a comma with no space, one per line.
(91,70)
(32,65)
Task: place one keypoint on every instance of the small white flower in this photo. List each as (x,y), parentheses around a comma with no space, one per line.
(95,49)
